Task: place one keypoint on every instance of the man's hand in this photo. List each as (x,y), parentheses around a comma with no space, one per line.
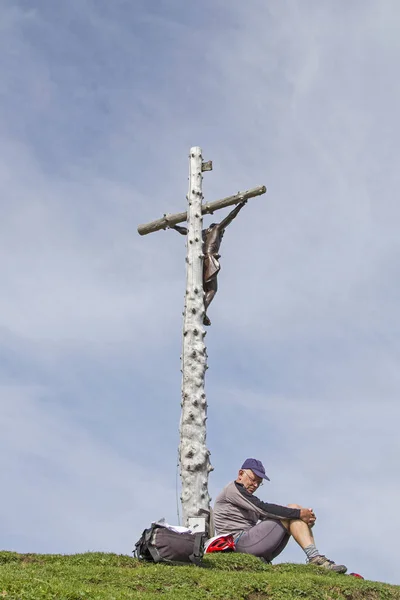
(308,516)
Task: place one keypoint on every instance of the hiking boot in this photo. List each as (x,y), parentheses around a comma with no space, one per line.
(322,561)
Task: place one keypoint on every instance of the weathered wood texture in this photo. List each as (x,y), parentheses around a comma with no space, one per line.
(208,208)
(194,456)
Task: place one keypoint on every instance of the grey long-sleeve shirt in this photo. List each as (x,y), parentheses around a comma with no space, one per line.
(237,510)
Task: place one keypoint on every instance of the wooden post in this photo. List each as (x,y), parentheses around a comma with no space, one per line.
(194,456)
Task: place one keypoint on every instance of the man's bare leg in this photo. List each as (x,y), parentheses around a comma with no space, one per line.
(299,530)
(303,535)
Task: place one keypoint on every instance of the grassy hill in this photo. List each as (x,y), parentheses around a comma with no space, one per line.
(224,576)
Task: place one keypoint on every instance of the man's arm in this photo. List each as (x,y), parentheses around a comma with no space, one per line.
(265,509)
(181,230)
(229,218)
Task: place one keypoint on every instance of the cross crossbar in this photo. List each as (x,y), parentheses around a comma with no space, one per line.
(208,208)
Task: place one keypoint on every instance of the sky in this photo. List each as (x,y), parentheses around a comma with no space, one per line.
(100,103)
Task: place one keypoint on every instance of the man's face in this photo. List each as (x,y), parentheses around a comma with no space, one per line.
(249,480)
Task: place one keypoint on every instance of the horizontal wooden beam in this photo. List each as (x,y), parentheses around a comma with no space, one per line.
(208,208)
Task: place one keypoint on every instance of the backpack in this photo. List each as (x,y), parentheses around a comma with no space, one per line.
(160,544)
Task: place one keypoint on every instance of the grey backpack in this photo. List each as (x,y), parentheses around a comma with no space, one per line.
(160,544)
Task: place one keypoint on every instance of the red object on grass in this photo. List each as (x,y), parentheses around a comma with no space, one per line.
(357,575)
(220,543)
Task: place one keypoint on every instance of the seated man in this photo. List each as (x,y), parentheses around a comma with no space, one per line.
(264,529)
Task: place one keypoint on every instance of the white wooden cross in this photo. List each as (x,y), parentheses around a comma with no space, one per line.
(194,458)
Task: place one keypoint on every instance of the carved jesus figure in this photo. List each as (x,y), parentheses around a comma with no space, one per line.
(212,238)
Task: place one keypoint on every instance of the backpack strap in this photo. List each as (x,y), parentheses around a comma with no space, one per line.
(144,545)
(138,551)
(155,555)
(197,554)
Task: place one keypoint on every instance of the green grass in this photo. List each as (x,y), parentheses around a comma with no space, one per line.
(224,576)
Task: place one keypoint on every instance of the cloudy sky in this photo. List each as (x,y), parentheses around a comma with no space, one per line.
(99,104)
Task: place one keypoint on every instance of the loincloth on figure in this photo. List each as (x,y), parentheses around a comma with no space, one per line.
(211,267)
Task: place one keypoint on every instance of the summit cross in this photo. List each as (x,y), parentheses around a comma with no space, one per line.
(202,267)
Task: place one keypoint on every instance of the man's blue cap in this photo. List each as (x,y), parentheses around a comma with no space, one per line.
(256,466)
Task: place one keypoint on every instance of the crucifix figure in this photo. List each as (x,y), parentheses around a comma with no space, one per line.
(212,238)
(202,268)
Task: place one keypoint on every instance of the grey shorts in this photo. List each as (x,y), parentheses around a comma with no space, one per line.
(267,539)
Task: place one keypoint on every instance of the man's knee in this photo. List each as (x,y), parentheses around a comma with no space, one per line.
(286,522)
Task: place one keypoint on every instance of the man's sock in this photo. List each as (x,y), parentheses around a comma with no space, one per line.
(311,551)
